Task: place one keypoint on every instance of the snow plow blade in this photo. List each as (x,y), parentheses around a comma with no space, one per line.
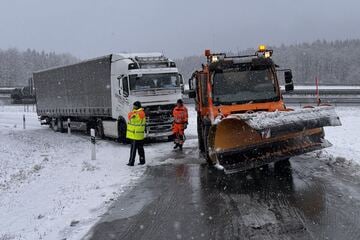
(243,141)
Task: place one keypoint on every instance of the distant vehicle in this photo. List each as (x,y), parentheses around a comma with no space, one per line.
(24,95)
(99,93)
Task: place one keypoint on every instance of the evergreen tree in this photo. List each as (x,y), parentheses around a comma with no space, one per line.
(334,62)
(17,67)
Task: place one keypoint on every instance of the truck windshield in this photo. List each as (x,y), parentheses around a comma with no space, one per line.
(154,81)
(235,86)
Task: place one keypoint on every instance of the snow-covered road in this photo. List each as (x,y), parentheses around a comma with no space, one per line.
(47,179)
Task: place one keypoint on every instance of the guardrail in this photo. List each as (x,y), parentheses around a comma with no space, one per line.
(306,95)
(335,95)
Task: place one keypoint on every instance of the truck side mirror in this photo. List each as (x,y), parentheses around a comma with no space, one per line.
(181,83)
(289,85)
(192,94)
(192,83)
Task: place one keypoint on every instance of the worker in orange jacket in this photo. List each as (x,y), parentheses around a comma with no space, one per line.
(180,115)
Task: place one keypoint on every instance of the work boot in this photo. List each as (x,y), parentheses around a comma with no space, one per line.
(142,161)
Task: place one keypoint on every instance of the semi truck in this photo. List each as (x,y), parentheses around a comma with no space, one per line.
(99,93)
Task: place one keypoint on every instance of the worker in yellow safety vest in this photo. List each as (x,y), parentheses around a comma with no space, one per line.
(135,132)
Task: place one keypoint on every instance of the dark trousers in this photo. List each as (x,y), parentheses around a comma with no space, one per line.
(139,146)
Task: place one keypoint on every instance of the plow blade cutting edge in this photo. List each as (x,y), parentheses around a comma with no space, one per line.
(243,141)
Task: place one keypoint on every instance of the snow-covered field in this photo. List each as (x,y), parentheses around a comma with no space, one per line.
(50,189)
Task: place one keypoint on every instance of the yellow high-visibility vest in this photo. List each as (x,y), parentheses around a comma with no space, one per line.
(136,125)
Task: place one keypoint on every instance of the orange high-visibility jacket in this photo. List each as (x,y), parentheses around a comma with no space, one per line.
(180,115)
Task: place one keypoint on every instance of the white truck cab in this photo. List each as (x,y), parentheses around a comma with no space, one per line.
(151,79)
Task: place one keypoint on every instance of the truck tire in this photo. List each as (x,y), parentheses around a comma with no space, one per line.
(91,125)
(200,135)
(171,138)
(54,125)
(282,168)
(60,125)
(100,129)
(205,131)
(122,131)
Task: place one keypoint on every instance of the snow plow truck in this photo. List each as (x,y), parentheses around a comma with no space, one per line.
(242,120)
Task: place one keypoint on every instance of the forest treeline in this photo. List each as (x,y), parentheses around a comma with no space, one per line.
(334,62)
(16,66)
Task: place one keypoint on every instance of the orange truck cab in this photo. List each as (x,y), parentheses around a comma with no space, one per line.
(233,94)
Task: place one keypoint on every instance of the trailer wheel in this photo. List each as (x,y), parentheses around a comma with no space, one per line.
(54,125)
(122,131)
(100,129)
(60,125)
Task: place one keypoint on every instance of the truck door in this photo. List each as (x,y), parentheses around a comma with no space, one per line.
(123,86)
(203,88)
(123,90)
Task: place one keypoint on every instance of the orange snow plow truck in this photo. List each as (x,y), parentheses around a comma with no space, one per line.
(242,120)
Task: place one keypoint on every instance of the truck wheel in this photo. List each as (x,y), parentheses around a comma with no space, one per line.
(205,131)
(122,131)
(200,135)
(91,125)
(282,167)
(171,138)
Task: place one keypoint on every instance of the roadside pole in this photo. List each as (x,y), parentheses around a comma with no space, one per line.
(93,153)
(69,126)
(24,121)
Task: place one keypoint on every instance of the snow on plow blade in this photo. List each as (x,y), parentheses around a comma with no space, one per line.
(244,141)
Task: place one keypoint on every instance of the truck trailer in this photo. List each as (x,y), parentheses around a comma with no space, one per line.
(99,93)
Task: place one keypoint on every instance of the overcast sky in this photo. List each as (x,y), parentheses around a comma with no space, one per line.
(90,28)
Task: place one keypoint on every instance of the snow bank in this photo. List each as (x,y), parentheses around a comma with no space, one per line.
(345,139)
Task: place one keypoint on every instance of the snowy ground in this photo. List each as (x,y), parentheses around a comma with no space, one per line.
(47,180)
(345,139)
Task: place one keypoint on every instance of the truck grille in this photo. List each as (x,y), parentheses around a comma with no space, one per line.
(159,118)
